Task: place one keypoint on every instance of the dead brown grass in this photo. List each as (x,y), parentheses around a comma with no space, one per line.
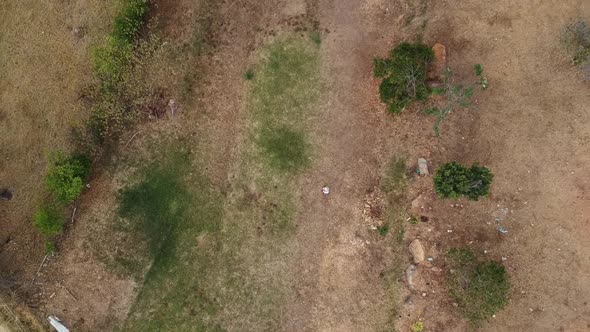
(43,67)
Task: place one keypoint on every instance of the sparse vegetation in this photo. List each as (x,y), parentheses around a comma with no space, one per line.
(111,61)
(394,184)
(316,37)
(249,75)
(66,175)
(418,327)
(479,288)
(453,180)
(383,229)
(48,221)
(456,96)
(404,75)
(575,39)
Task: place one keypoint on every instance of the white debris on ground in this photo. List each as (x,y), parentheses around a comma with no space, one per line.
(56,324)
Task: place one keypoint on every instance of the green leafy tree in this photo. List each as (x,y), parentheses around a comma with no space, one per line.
(480,288)
(66,176)
(480,179)
(404,75)
(453,180)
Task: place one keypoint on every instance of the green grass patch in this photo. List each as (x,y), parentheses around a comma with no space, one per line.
(287,149)
(158,204)
(48,221)
(281,100)
(315,37)
(170,209)
(479,288)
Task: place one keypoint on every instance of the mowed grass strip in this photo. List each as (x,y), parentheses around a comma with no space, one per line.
(172,207)
(281,100)
(220,262)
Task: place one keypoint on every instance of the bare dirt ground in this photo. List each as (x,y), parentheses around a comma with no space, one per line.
(531,127)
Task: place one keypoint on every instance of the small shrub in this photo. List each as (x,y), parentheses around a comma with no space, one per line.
(109,61)
(404,75)
(48,221)
(316,38)
(418,327)
(575,39)
(383,229)
(453,180)
(130,20)
(480,179)
(66,175)
(483,81)
(479,288)
(249,75)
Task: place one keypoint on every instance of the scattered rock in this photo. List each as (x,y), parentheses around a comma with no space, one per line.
(417,202)
(417,251)
(173,107)
(440,61)
(79,32)
(410,274)
(423,167)
(5,194)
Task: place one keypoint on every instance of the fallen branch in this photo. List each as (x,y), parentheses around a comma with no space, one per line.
(74,213)
(67,290)
(131,139)
(39,269)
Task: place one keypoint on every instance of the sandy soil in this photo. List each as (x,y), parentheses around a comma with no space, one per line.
(531,127)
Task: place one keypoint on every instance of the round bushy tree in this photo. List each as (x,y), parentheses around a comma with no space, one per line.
(480,179)
(404,75)
(66,175)
(451,180)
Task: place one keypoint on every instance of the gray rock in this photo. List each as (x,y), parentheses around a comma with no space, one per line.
(5,194)
(417,251)
(423,167)
(411,272)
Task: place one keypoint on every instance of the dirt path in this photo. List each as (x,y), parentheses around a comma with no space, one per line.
(339,287)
